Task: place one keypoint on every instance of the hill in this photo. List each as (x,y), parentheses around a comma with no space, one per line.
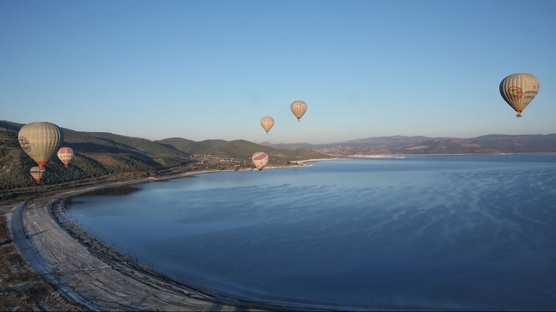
(375,142)
(238,149)
(487,144)
(103,156)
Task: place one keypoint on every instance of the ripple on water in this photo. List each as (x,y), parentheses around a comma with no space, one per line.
(446,232)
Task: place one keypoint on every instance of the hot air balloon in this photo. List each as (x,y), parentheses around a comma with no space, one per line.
(267,122)
(260,160)
(298,109)
(37,173)
(518,90)
(40,140)
(65,154)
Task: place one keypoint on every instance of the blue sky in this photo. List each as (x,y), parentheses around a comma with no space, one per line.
(211,69)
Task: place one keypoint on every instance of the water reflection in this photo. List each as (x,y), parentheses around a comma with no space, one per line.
(114,191)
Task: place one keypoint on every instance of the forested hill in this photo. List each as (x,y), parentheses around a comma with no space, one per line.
(100,155)
(239,149)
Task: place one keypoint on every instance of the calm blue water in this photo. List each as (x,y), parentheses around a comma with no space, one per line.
(471,232)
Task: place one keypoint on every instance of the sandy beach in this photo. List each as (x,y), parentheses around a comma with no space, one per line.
(85,271)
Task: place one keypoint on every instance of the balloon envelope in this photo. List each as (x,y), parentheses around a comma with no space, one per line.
(260,160)
(65,154)
(37,173)
(298,109)
(40,140)
(267,123)
(518,90)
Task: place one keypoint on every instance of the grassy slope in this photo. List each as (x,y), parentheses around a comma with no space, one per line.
(98,154)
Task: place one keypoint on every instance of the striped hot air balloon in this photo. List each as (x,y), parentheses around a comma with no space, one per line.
(518,90)
(40,140)
(298,109)
(267,123)
(260,160)
(37,173)
(66,155)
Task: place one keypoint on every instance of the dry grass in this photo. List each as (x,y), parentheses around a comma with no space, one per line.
(21,289)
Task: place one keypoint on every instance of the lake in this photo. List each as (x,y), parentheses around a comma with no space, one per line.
(423,232)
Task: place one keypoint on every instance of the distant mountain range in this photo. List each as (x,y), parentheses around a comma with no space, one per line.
(487,144)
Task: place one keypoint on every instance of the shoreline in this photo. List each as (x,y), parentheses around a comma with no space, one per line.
(463,154)
(88,272)
(304,162)
(87,277)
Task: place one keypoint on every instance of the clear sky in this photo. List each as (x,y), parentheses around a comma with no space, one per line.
(211,69)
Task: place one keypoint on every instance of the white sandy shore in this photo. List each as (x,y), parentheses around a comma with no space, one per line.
(304,162)
(87,272)
(375,156)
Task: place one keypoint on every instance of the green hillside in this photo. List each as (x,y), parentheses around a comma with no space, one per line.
(91,160)
(100,155)
(239,149)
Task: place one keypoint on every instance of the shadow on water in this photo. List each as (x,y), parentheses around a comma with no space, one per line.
(112,191)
